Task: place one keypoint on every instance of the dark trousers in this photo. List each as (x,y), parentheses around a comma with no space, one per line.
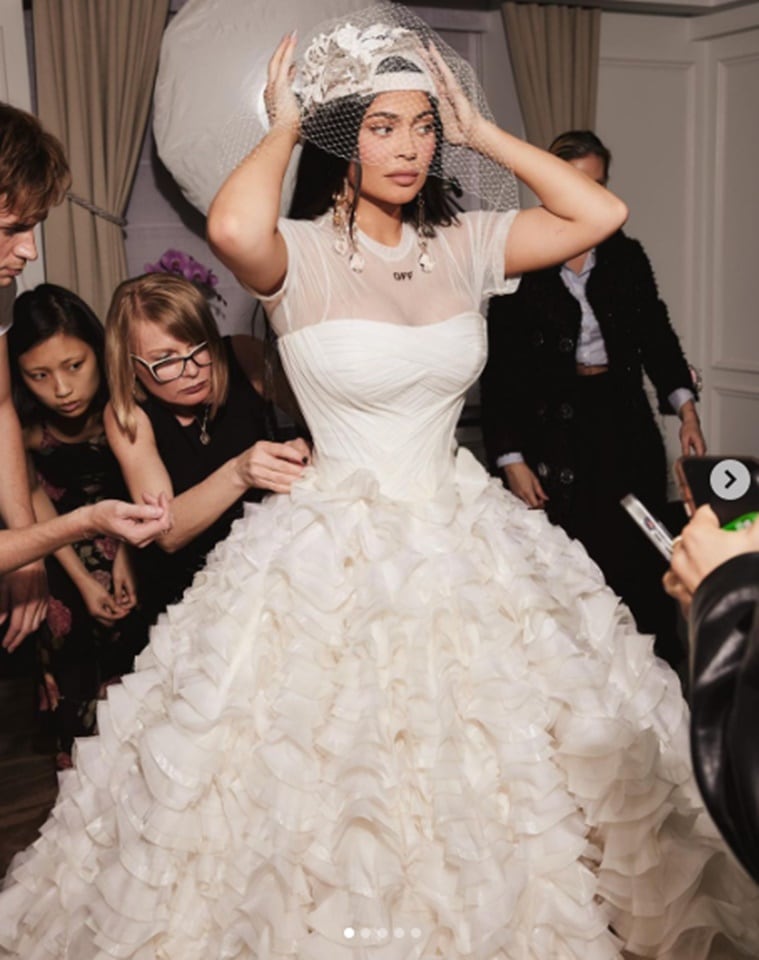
(609,462)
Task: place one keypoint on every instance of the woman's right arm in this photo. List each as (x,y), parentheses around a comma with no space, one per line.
(269,466)
(242,220)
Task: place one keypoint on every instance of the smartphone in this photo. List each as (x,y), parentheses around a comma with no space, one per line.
(730,485)
(654,529)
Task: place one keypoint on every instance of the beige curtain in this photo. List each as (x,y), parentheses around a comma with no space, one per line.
(554,55)
(95,63)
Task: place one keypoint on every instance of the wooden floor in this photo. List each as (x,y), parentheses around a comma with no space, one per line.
(28,783)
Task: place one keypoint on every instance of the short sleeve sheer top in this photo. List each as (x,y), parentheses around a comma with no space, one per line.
(468,261)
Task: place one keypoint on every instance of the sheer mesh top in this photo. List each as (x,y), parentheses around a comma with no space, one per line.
(381,360)
(391,288)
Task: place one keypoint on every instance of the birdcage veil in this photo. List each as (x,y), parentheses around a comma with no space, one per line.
(346,62)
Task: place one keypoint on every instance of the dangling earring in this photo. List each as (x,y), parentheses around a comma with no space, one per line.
(345,242)
(425,259)
(340,221)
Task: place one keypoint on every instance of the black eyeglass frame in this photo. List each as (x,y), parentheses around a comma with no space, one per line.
(166,361)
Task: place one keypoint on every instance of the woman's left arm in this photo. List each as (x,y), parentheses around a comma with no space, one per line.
(576,213)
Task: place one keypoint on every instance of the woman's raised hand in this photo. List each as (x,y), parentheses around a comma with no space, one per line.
(458,115)
(281,103)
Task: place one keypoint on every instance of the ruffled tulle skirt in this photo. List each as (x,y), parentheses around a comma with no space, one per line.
(375,730)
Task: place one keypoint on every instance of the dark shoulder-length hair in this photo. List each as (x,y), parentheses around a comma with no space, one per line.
(42,313)
(320,175)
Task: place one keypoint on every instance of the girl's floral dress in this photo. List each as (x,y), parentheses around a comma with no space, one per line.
(77,655)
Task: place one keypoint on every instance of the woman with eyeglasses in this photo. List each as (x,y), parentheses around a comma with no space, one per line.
(187,417)
(93,628)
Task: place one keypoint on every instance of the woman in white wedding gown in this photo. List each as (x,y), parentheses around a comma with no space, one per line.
(398,715)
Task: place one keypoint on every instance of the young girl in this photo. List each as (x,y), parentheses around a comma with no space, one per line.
(92,629)
(187,418)
(398,716)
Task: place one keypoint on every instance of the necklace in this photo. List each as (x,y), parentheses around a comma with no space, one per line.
(205,436)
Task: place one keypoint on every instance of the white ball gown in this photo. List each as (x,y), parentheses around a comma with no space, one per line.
(398,716)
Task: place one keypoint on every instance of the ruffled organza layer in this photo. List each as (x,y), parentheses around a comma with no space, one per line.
(376,730)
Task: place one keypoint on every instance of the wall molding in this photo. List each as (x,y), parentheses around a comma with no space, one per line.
(735,366)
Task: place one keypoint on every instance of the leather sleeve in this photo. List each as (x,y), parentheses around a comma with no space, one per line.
(724,628)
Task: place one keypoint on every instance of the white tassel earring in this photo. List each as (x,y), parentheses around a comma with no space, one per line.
(423,233)
(345,242)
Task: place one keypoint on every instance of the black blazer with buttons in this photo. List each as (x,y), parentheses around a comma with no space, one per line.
(533,333)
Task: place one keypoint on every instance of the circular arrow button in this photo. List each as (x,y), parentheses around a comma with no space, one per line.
(730,479)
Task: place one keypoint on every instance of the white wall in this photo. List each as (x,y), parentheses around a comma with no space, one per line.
(728,46)
(646,114)
(677,104)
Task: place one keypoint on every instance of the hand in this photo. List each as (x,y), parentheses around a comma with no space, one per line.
(703,546)
(23,595)
(50,695)
(674,587)
(138,524)
(100,603)
(302,448)
(457,113)
(124,582)
(524,484)
(272,466)
(281,104)
(691,438)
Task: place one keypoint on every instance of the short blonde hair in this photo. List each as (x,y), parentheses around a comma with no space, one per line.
(179,308)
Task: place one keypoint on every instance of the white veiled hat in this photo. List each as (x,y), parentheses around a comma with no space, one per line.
(341,65)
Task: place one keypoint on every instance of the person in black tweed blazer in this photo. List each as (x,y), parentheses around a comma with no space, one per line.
(566,420)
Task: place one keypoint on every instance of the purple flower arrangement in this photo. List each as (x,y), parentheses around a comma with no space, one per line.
(184,265)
